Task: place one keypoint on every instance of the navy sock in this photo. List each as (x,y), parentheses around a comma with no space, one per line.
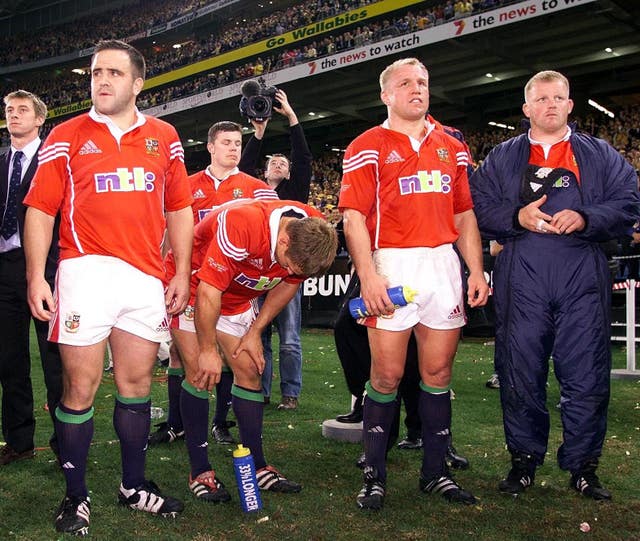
(377,418)
(131,419)
(175,377)
(195,407)
(74,429)
(434,406)
(223,397)
(248,405)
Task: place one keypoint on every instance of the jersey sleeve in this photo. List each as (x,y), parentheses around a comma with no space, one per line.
(227,249)
(178,187)
(261,190)
(46,192)
(462,193)
(359,175)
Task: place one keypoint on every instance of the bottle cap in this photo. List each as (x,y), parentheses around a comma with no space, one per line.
(241,451)
(409,294)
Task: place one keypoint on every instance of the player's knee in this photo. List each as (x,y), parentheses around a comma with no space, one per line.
(386,382)
(247,376)
(438,380)
(78,394)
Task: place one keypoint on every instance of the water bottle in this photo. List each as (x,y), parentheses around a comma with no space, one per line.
(245,471)
(399,295)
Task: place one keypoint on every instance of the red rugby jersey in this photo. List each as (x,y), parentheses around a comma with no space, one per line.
(559,155)
(234,251)
(409,197)
(238,185)
(112,195)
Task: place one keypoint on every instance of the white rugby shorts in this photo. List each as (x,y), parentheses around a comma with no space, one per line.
(434,273)
(238,324)
(95,293)
(186,321)
(235,325)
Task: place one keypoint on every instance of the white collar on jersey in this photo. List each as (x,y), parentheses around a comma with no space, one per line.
(546,147)
(415,144)
(217,181)
(115,130)
(274,225)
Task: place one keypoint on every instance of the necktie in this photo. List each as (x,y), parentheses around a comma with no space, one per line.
(10,222)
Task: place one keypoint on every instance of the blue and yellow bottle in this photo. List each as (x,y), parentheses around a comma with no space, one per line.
(245,471)
(399,295)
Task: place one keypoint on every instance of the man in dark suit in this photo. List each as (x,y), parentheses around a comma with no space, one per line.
(25,113)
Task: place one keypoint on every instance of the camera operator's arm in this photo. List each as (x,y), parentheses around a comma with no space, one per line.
(300,180)
(251,152)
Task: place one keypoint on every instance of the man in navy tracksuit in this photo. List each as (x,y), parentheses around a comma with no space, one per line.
(551,196)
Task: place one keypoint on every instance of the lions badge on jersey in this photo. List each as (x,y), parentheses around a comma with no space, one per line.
(152,145)
(237,193)
(443,154)
(72,322)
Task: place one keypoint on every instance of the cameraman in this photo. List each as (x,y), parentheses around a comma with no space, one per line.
(291,180)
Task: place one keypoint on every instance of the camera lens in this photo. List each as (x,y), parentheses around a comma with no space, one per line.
(260,104)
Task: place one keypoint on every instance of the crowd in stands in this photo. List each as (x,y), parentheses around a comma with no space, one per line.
(71,87)
(81,34)
(130,20)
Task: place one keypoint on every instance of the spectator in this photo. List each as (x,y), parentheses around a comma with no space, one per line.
(25,114)
(291,180)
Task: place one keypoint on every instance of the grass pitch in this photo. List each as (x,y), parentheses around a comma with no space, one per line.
(31,490)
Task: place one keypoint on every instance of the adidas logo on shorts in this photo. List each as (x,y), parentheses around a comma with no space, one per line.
(456,313)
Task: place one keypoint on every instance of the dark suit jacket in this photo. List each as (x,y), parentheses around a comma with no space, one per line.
(52,258)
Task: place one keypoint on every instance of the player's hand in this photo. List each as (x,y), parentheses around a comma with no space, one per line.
(209,370)
(373,291)
(478,290)
(251,344)
(40,299)
(533,219)
(176,295)
(567,221)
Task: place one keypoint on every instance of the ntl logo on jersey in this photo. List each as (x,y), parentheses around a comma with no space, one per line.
(425,182)
(123,180)
(261,284)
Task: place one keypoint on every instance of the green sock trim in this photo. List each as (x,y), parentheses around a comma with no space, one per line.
(193,391)
(225,368)
(175,371)
(377,396)
(135,400)
(74,419)
(255,396)
(434,390)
